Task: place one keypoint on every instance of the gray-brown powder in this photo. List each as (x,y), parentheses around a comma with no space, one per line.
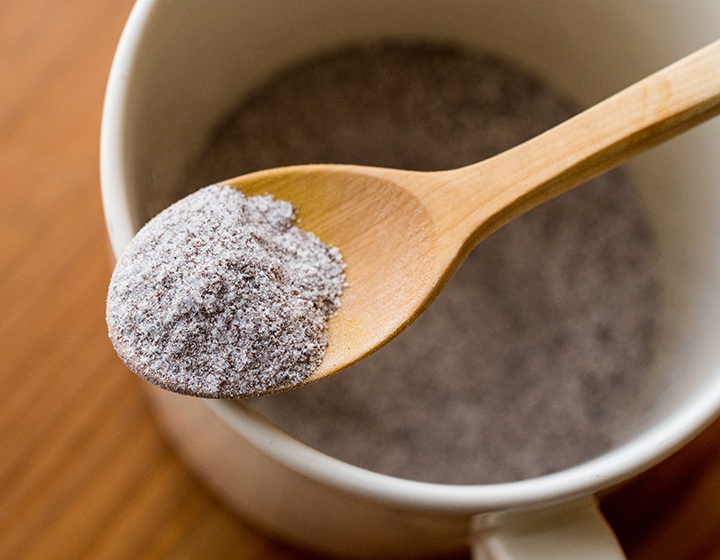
(222,296)
(530,359)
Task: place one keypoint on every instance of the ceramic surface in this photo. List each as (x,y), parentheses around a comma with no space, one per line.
(181,64)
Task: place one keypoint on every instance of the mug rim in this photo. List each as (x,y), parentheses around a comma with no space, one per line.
(600,473)
(640,453)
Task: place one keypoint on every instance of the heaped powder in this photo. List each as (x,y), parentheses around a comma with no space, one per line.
(531,359)
(222,296)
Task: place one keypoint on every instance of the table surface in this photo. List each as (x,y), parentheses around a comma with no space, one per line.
(84,471)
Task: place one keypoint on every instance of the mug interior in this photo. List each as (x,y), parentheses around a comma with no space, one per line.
(183,64)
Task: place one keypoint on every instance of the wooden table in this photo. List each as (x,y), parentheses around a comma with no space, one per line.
(84,472)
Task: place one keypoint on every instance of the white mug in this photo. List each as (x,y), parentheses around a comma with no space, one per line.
(181,64)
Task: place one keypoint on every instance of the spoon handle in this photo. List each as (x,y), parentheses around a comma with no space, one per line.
(637,118)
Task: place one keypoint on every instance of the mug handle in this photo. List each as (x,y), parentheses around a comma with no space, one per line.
(578,531)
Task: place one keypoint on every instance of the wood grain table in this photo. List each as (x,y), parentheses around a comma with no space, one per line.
(84,472)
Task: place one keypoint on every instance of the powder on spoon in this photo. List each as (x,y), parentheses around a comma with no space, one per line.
(532,358)
(221,295)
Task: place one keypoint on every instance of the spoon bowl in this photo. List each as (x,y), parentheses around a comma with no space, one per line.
(385,234)
(403,234)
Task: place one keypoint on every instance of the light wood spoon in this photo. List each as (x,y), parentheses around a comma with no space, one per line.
(403,234)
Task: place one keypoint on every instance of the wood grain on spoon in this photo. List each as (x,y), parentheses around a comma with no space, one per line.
(404,233)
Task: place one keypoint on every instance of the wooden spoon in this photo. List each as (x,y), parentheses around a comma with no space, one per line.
(404,233)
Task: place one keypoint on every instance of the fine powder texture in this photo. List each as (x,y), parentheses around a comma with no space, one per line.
(532,359)
(221,296)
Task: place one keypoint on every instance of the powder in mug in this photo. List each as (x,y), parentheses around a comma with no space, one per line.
(222,296)
(532,358)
